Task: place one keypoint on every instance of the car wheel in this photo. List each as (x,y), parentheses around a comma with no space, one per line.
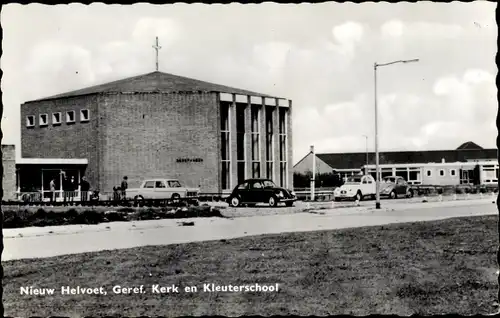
(337,199)
(374,197)
(176,197)
(410,194)
(358,196)
(235,202)
(139,200)
(273,201)
(393,195)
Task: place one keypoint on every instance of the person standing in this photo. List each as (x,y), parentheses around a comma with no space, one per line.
(124,187)
(73,187)
(66,188)
(52,190)
(84,188)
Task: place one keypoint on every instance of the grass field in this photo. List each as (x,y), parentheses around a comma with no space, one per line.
(423,268)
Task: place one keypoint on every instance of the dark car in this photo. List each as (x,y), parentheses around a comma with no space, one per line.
(253,191)
(394,187)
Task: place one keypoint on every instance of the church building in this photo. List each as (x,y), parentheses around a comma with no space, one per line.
(156,125)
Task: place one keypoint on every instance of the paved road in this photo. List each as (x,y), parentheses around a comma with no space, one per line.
(53,241)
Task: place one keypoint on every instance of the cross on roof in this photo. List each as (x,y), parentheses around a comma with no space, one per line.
(157,48)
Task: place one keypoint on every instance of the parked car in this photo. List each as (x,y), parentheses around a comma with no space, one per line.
(161,189)
(356,188)
(394,187)
(253,191)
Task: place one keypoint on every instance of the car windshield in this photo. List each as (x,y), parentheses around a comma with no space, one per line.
(389,180)
(353,180)
(268,184)
(174,184)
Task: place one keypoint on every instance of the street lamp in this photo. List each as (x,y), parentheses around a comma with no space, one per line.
(366,150)
(377,167)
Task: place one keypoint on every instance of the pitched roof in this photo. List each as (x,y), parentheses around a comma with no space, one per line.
(469,145)
(358,159)
(155,82)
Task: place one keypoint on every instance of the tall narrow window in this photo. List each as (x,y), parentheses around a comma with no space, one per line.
(240,142)
(225,147)
(283,147)
(269,143)
(255,141)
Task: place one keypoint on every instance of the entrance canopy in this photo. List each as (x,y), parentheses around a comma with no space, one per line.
(51,161)
(34,175)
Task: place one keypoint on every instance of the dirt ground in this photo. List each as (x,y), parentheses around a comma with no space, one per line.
(421,268)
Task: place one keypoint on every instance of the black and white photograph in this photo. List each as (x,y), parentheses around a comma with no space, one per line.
(250,159)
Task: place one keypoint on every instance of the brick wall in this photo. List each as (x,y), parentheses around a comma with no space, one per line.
(144,134)
(9,172)
(77,140)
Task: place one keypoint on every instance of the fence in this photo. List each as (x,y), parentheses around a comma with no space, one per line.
(114,198)
(90,198)
(322,194)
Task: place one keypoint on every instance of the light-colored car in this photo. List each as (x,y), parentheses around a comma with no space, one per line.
(356,188)
(161,189)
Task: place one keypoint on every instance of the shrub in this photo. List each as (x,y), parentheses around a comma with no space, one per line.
(115,216)
(39,214)
(127,209)
(148,214)
(12,220)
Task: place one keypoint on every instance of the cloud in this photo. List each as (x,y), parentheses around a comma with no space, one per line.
(347,36)
(167,30)
(55,67)
(325,67)
(477,76)
(392,28)
(397,29)
(470,99)
(348,33)
(273,55)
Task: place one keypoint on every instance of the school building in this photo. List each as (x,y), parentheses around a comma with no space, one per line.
(468,164)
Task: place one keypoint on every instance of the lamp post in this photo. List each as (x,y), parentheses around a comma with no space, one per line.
(377,167)
(366,150)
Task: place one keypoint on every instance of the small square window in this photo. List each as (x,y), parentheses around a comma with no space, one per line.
(44,120)
(429,173)
(30,121)
(453,172)
(84,115)
(70,117)
(441,173)
(56,118)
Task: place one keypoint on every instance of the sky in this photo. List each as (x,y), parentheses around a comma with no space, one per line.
(321,56)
